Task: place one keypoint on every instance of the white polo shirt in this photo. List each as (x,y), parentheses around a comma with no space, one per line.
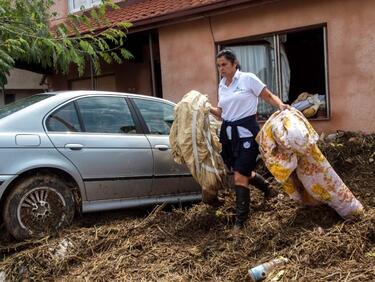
(240,99)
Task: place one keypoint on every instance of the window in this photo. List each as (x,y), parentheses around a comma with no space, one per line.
(106,115)
(157,115)
(292,65)
(64,119)
(21,103)
(77,5)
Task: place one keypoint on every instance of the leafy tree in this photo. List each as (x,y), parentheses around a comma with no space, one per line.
(26,37)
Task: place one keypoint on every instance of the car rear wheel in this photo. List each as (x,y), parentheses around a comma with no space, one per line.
(38,206)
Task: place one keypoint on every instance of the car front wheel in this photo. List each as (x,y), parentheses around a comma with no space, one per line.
(38,206)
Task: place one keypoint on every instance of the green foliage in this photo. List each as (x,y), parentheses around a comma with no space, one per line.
(26,36)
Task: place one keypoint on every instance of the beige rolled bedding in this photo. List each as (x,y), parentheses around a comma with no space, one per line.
(194,141)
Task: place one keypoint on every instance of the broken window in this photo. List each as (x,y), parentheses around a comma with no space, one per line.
(292,65)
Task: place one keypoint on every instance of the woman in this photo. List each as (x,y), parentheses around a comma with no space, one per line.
(237,106)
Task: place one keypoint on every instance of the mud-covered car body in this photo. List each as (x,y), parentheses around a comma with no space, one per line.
(109,150)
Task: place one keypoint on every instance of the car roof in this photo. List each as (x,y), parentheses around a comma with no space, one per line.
(35,112)
(77,93)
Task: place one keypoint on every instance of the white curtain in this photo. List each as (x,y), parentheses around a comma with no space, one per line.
(260,60)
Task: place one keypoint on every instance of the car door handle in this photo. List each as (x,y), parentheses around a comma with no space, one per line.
(161,147)
(74,147)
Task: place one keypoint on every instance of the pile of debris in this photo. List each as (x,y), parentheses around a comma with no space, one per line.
(197,243)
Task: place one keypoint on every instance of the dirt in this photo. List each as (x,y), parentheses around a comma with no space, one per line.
(197,243)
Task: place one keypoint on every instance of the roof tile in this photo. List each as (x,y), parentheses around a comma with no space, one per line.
(149,8)
(136,11)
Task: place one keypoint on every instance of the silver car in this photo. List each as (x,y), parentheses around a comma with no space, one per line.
(85,151)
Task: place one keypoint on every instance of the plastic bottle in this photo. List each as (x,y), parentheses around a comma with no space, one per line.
(260,272)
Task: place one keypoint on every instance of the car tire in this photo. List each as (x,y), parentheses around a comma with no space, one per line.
(37,206)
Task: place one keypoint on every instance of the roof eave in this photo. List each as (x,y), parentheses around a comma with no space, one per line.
(194,14)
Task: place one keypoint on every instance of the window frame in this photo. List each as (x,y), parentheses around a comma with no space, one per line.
(276,38)
(57,109)
(143,123)
(137,121)
(107,97)
(89,4)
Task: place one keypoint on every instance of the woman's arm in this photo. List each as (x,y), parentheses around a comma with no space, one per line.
(216,111)
(272,99)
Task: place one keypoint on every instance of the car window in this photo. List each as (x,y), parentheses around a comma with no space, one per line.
(106,115)
(21,104)
(157,115)
(65,119)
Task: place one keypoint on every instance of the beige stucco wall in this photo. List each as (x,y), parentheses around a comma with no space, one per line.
(22,83)
(23,79)
(61,8)
(187,53)
(187,56)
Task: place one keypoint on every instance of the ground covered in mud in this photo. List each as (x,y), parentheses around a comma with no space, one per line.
(197,243)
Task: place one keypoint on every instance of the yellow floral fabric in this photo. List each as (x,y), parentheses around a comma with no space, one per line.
(194,142)
(287,143)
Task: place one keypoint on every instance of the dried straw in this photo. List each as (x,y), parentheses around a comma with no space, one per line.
(197,243)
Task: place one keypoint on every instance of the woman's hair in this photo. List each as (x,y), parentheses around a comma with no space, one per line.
(229,55)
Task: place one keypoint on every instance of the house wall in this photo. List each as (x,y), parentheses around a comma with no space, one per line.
(187,53)
(23,79)
(187,56)
(128,77)
(22,83)
(60,7)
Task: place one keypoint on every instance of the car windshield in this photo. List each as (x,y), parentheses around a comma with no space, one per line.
(21,104)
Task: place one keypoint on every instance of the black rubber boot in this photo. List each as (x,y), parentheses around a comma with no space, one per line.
(242,205)
(259,182)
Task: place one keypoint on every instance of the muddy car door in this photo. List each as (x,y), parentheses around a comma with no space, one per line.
(169,177)
(99,136)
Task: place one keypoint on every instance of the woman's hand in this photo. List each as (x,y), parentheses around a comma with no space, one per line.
(283,107)
(216,111)
(273,100)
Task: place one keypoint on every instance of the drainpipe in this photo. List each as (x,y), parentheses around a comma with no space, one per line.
(152,64)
